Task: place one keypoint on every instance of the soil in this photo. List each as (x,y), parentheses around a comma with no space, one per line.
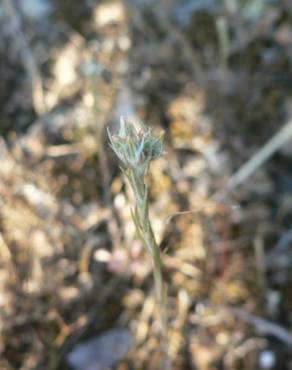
(217,81)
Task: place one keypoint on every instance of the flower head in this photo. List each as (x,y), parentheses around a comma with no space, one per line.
(136,145)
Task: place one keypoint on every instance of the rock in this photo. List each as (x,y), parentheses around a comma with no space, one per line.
(101,352)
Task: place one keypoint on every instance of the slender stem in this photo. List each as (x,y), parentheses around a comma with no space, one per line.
(160,290)
(146,232)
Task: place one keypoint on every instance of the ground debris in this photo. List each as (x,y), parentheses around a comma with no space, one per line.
(215,78)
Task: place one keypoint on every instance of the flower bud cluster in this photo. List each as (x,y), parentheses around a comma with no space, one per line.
(136,146)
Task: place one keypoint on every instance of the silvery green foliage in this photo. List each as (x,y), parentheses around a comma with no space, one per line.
(136,145)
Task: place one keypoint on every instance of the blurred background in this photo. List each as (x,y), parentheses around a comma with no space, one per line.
(76,288)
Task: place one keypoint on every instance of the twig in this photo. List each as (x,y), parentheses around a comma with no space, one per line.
(64,150)
(256,161)
(28,57)
(274,144)
(260,259)
(93,75)
(263,325)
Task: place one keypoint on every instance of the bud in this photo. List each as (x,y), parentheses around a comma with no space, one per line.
(136,146)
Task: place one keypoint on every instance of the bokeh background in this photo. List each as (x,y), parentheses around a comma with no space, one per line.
(76,288)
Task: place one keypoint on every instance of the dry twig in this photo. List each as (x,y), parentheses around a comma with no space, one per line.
(264,326)
(29,60)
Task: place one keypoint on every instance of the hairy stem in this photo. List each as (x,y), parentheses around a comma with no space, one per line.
(148,238)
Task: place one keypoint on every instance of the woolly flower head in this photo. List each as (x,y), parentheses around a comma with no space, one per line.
(136,145)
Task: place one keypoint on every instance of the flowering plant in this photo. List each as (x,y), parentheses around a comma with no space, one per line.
(136,146)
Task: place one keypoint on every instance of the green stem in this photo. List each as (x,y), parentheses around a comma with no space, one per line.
(148,238)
